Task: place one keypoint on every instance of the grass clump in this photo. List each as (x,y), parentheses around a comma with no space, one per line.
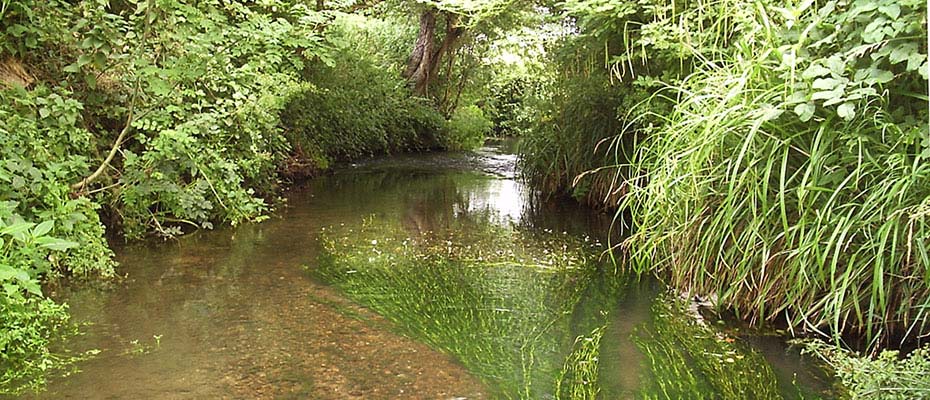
(790,197)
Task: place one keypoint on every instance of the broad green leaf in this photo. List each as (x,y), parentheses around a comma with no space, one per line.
(804,111)
(91,80)
(902,52)
(31,286)
(815,71)
(55,243)
(7,272)
(826,83)
(43,228)
(914,61)
(827,94)
(836,64)
(874,32)
(16,228)
(881,76)
(891,10)
(83,60)
(100,59)
(846,111)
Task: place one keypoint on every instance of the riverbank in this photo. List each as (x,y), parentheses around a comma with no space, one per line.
(128,121)
(770,155)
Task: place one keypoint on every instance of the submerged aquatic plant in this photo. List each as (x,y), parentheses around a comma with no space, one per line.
(688,360)
(578,378)
(498,300)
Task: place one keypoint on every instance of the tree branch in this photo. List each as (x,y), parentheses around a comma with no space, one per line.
(79,186)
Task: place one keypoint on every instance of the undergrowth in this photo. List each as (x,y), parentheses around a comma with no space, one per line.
(144,118)
(886,376)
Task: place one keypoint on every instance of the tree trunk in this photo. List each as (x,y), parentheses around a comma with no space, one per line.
(453,33)
(420,62)
(423,64)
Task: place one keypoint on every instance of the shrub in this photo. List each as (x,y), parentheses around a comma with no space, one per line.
(30,321)
(887,376)
(357,110)
(467,129)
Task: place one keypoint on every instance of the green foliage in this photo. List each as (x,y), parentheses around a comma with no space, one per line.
(42,153)
(887,376)
(569,138)
(357,110)
(209,141)
(771,153)
(199,87)
(30,321)
(819,218)
(590,111)
(467,128)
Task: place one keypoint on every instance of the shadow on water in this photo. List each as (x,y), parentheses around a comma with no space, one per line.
(433,276)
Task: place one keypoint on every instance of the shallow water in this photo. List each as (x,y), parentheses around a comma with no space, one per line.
(253,311)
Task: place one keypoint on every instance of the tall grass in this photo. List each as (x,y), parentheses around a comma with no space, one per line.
(820,220)
(567,139)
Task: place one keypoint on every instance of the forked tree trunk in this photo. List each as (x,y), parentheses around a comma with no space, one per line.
(453,33)
(424,61)
(419,64)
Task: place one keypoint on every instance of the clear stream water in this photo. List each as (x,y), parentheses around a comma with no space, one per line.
(348,292)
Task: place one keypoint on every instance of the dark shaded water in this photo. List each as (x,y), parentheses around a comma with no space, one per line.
(266,311)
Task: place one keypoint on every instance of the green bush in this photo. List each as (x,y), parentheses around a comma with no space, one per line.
(887,376)
(572,136)
(357,110)
(44,150)
(792,182)
(30,321)
(467,129)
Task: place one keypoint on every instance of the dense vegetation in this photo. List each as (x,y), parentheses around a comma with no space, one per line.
(129,119)
(772,155)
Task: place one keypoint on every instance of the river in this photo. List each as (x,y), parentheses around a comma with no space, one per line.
(431,276)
